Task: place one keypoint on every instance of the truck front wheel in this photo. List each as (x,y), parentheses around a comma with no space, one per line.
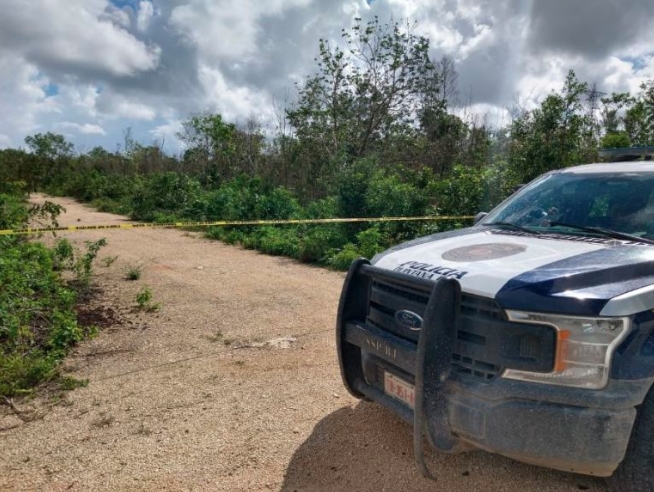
(636,472)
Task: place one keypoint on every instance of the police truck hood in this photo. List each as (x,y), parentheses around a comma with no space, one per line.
(570,274)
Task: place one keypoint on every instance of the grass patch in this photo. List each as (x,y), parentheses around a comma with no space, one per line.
(68,383)
(134,272)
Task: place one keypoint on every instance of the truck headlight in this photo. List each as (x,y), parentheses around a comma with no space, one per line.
(584,348)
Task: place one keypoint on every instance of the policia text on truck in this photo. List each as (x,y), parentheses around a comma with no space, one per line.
(530,334)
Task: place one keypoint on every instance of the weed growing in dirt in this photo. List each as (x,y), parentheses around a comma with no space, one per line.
(103,420)
(108,261)
(84,264)
(216,337)
(143,430)
(220,337)
(64,257)
(68,383)
(144,300)
(134,272)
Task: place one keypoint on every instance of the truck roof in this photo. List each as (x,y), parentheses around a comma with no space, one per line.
(612,167)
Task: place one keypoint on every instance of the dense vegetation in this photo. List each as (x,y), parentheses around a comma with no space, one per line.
(372,133)
(38,318)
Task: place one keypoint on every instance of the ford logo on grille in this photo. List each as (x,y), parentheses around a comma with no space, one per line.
(409,320)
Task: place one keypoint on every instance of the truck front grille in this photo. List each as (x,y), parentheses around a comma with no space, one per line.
(469,357)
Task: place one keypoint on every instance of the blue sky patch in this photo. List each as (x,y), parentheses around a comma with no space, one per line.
(638,62)
(125,3)
(51,90)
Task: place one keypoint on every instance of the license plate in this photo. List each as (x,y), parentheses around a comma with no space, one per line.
(399,389)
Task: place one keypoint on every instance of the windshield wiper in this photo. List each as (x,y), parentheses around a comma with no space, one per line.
(515,227)
(604,232)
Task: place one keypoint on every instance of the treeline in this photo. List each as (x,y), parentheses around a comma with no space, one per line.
(373,132)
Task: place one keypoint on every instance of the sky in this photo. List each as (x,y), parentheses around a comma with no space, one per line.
(91,69)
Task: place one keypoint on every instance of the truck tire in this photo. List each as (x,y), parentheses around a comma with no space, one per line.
(636,472)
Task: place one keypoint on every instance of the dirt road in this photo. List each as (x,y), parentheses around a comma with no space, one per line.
(175,402)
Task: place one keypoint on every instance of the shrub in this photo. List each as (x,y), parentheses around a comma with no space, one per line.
(471,190)
(166,193)
(134,272)
(619,140)
(317,242)
(144,299)
(342,259)
(38,321)
(279,241)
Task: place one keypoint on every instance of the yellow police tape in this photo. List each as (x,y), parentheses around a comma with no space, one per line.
(223,223)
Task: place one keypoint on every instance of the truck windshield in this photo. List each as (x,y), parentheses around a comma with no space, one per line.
(574,202)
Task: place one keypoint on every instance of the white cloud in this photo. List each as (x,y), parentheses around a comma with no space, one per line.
(166,135)
(5,141)
(169,129)
(112,105)
(485,114)
(23,100)
(234,102)
(118,16)
(144,15)
(225,29)
(83,98)
(73,35)
(86,128)
(645,72)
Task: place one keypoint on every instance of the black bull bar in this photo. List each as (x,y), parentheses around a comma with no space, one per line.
(430,361)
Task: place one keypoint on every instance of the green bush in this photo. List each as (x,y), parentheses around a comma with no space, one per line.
(369,243)
(317,242)
(342,259)
(37,316)
(470,190)
(619,140)
(21,372)
(165,193)
(38,320)
(12,212)
(279,241)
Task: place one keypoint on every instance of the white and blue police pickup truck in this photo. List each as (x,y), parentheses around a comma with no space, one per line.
(530,334)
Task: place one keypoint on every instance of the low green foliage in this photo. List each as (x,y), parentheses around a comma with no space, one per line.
(83,266)
(144,300)
(38,321)
(107,261)
(68,383)
(134,272)
(65,257)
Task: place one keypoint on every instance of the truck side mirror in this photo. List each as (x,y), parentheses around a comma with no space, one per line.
(479,217)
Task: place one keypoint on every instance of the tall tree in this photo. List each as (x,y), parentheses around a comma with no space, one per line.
(639,117)
(553,135)
(52,154)
(210,142)
(365,92)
